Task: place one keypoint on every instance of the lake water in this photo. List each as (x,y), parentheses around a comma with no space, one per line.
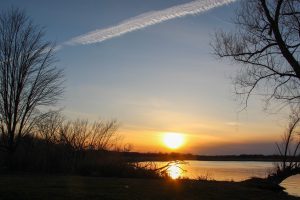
(227,170)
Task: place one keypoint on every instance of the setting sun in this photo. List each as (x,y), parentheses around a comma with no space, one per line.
(173,140)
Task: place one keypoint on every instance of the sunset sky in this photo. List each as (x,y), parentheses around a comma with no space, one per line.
(159,78)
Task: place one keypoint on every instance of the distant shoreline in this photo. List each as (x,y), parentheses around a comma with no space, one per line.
(140,157)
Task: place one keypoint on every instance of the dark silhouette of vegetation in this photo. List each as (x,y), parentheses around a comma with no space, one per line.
(266,43)
(28,78)
(289,151)
(17,187)
(140,157)
(35,140)
(56,145)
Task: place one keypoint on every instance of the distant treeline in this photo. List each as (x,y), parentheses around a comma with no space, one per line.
(59,146)
(138,157)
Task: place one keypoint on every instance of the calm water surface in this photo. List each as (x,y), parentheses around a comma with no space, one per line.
(228,170)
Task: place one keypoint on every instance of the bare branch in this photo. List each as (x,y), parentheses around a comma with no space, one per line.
(28,77)
(265,43)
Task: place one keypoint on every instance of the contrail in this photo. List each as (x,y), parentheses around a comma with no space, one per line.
(146,19)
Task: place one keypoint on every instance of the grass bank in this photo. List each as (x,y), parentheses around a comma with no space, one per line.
(31,187)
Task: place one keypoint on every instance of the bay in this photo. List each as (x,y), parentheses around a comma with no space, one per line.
(226,171)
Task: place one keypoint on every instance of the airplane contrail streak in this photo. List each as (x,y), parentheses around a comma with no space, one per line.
(145,20)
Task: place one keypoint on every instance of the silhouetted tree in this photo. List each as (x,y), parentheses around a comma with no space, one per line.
(28,77)
(266,43)
(290,143)
(81,135)
(289,150)
(48,127)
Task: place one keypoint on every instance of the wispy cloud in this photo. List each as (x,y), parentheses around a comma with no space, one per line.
(145,20)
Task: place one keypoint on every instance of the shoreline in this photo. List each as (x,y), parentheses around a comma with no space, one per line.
(140,157)
(33,186)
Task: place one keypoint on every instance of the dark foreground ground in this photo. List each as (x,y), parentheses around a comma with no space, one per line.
(76,187)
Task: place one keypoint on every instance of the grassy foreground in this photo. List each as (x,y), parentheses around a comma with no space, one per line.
(77,187)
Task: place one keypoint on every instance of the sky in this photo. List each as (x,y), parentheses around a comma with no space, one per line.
(149,65)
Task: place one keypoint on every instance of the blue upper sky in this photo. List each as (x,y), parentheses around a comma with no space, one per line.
(162,78)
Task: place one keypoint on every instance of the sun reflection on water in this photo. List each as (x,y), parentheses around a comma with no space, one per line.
(174,171)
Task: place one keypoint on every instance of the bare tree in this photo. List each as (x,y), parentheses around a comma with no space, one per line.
(81,135)
(290,143)
(266,43)
(289,150)
(49,126)
(28,77)
(103,135)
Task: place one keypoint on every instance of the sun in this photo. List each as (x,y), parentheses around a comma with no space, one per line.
(173,140)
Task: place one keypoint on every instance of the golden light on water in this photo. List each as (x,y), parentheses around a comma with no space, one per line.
(173,140)
(174,171)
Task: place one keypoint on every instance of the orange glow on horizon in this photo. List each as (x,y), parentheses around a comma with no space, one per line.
(197,142)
